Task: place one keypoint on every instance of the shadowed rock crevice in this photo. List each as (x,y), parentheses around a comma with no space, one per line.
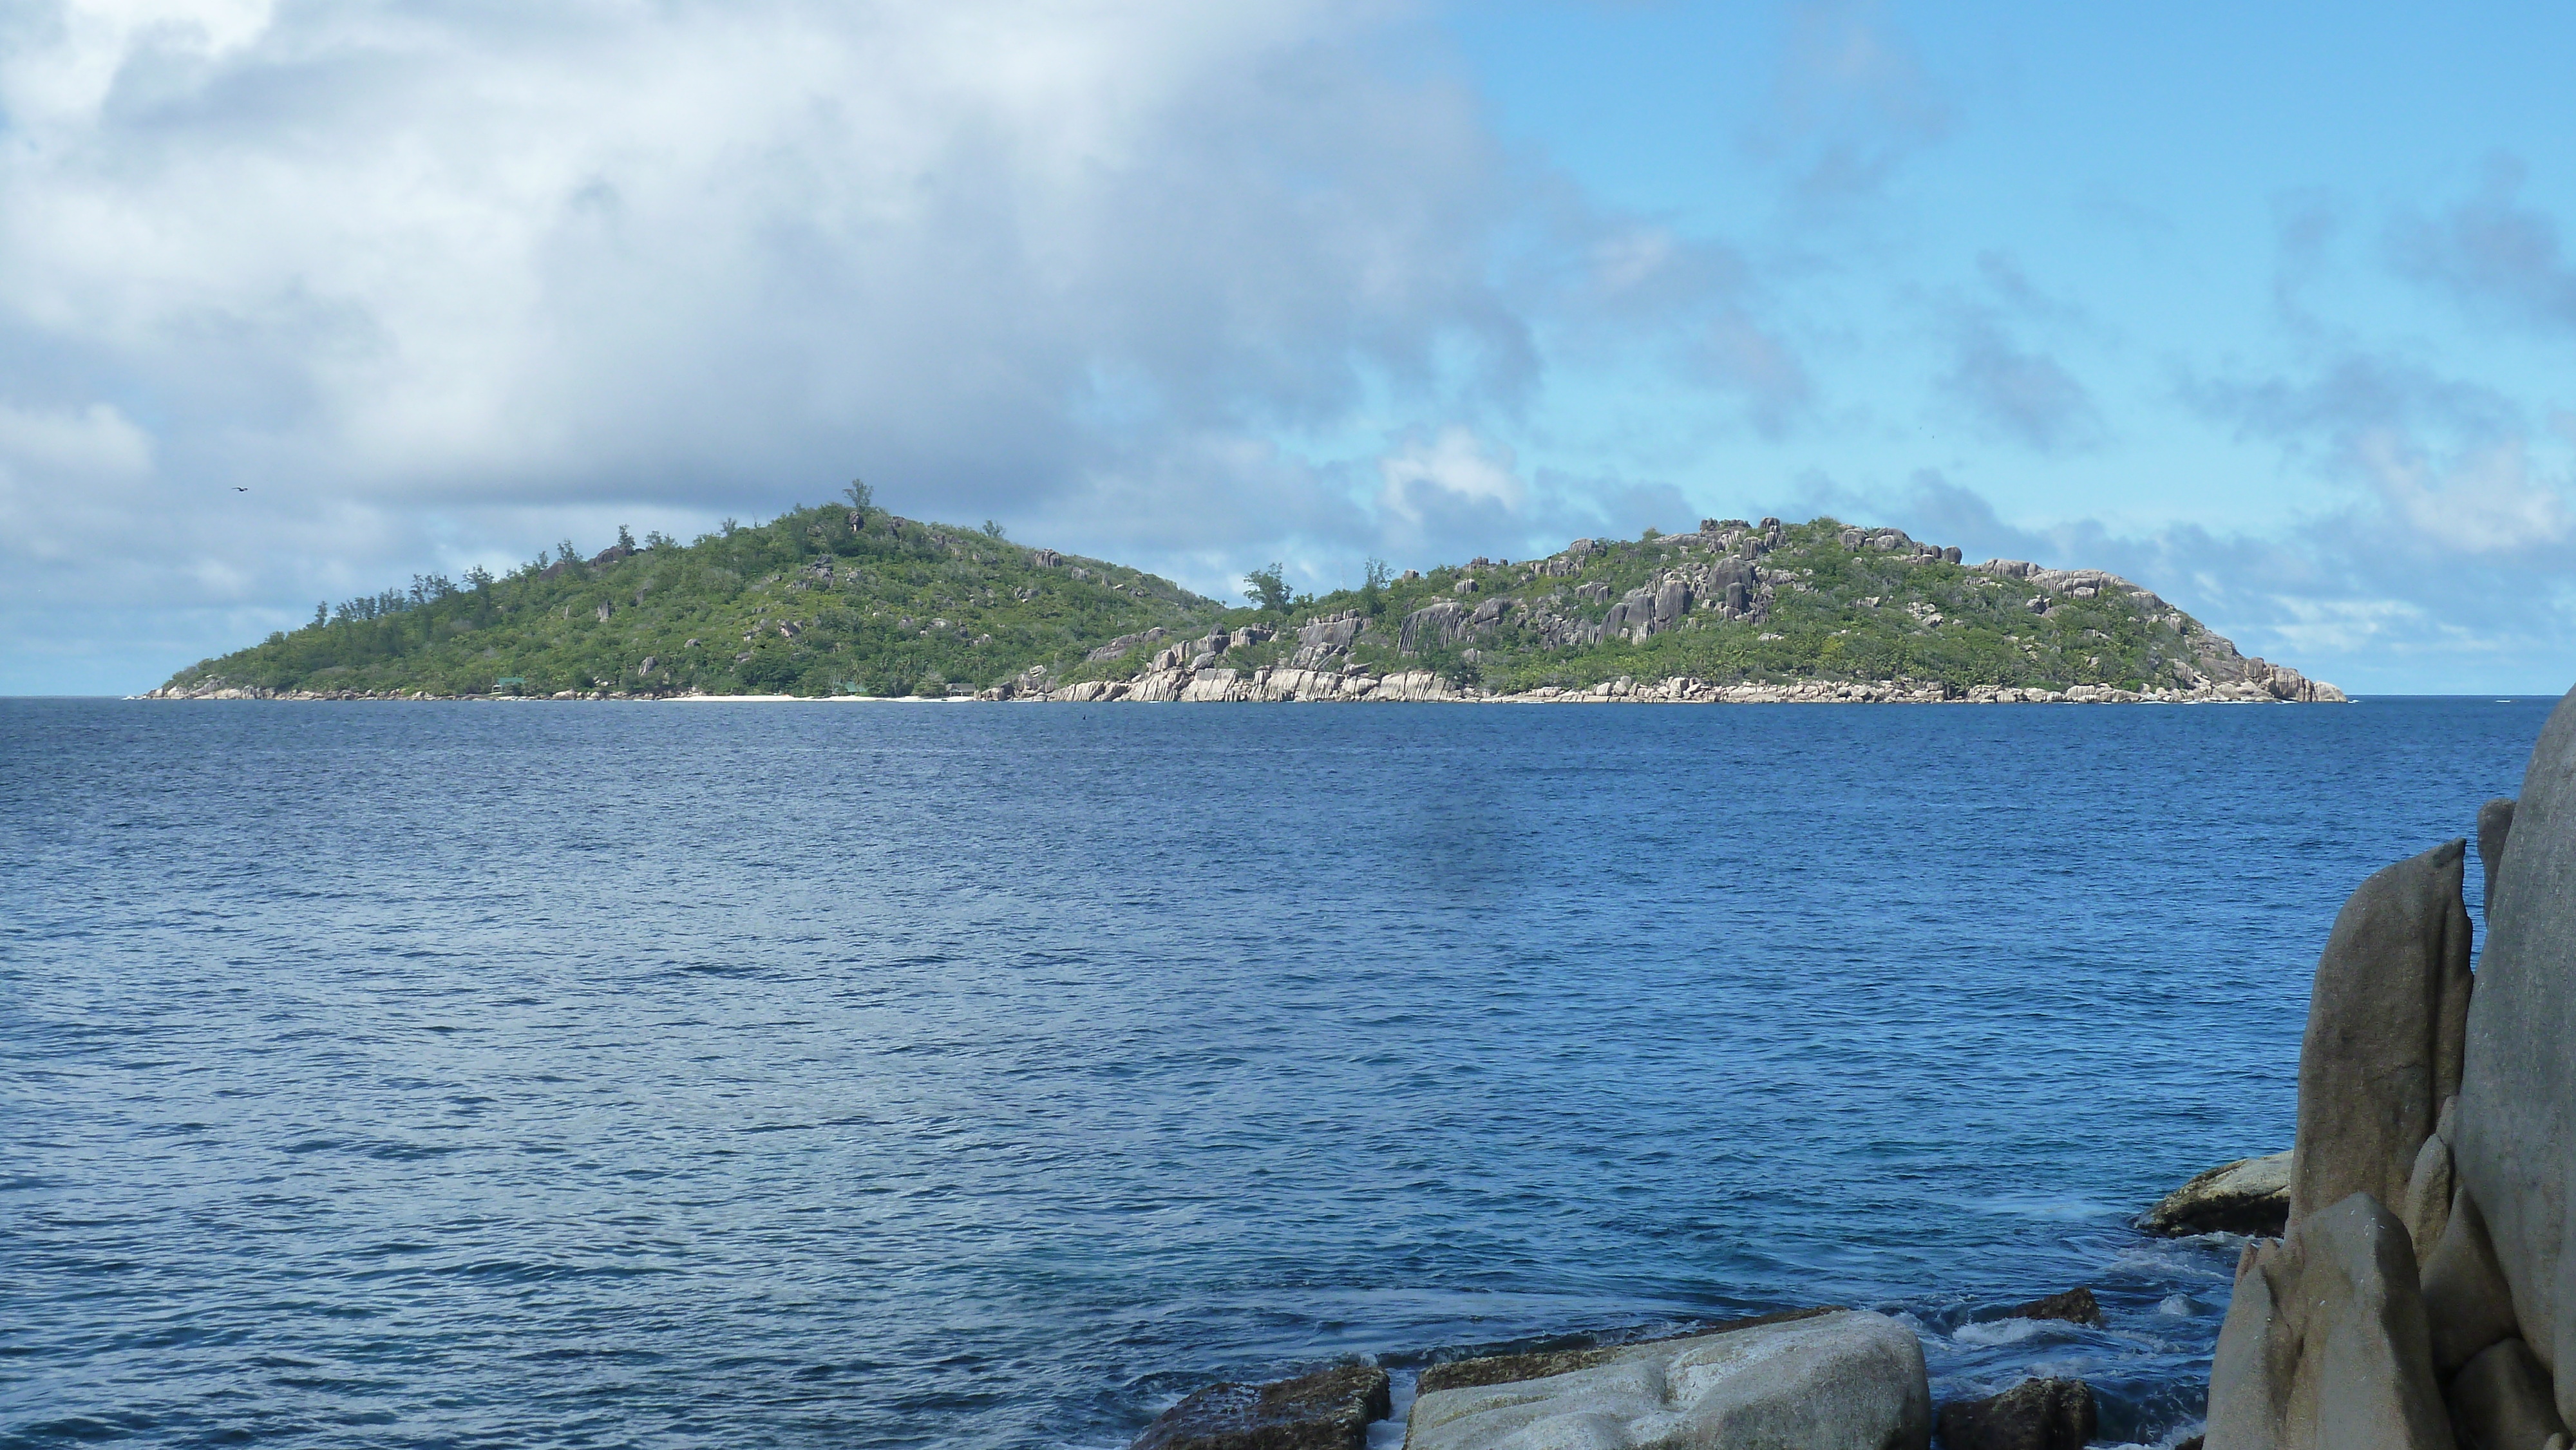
(2495,824)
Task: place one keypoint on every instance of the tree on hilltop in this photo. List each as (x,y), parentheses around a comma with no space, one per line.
(1267,589)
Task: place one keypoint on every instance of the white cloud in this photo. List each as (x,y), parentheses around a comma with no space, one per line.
(1145,278)
(1851,102)
(1452,471)
(2487,502)
(408,270)
(65,447)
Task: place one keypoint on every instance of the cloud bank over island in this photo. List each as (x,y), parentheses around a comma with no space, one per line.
(298,299)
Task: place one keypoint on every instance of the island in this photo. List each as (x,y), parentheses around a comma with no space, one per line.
(848,600)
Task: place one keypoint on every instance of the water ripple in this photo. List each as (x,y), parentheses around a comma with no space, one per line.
(466,1076)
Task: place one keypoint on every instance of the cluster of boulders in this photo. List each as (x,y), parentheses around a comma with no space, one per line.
(1325,681)
(220,690)
(1216,686)
(2216,670)
(1895,541)
(1125,642)
(217,688)
(1198,654)
(1727,582)
(1329,682)
(2422,1292)
(1833,1379)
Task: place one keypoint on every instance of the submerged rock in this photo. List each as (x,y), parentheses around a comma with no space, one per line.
(2075,1306)
(1327,1410)
(1842,1378)
(2248,1196)
(2040,1414)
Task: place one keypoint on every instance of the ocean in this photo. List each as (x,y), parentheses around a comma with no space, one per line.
(832,1074)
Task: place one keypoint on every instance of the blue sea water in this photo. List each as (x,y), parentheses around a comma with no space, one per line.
(887,1075)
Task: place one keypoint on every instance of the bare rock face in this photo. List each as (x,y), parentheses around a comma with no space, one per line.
(1328,1410)
(2041,1414)
(2248,1196)
(1443,623)
(2517,1128)
(1843,1380)
(2325,1346)
(2386,1024)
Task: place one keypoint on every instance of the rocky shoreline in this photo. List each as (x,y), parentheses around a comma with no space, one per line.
(1295,686)
(1823,1375)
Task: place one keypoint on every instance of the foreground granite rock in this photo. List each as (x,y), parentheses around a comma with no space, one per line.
(2248,1196)
(1842,1380)
(2325,1345)
(2517,1116)
(2386,1024)
(2501,1401)
(1328,1410)
(2039,1414)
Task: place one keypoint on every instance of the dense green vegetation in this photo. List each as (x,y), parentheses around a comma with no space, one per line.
(853,600)
(1851,614)
(830,600)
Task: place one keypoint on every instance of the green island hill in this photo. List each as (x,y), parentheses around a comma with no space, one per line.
(844,600)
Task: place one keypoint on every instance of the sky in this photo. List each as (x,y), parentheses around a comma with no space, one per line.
(2268,308)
